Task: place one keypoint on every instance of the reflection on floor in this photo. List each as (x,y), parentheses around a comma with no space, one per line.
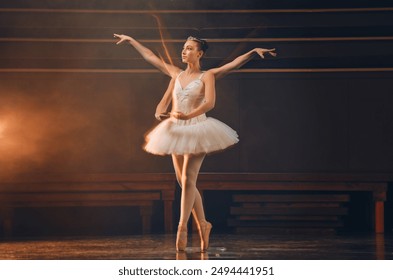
(223,246)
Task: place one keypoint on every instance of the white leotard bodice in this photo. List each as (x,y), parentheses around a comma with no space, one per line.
(190,97)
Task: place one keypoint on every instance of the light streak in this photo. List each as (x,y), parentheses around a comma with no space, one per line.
(160,29)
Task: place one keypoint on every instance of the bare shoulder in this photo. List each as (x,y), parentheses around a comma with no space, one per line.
(208,75)
(176,73)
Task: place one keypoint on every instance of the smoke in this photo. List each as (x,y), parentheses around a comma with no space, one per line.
(35,132)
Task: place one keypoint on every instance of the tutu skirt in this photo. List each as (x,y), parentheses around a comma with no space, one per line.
(194,136)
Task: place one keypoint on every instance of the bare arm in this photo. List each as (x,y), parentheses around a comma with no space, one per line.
(239,61)
(210,99)
(149,56)
(162,107)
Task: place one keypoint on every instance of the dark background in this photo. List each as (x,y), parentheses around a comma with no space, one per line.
(72,101)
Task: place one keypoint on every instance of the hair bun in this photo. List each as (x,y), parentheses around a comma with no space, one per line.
(204,45)
(202,42)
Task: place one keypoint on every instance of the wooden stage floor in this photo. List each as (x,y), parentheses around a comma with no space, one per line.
(223,246)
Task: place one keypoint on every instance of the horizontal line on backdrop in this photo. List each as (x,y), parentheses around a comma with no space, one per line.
(145,71)
(213,40)
(196,11)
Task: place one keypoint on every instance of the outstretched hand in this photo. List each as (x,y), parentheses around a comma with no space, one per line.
(261,52)
(121,38)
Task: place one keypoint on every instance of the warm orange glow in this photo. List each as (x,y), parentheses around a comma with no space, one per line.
(19,135)
(3,126)
(35,134)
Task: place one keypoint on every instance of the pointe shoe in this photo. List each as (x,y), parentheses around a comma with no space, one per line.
(181,239)
(204,234)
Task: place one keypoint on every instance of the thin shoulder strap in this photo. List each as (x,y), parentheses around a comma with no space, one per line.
(201,75)
(179,74)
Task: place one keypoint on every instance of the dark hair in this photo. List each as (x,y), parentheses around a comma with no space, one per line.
(202,43)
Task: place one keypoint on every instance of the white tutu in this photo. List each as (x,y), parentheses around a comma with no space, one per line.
(195,136)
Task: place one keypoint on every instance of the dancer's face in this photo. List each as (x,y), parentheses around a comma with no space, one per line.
(191,52)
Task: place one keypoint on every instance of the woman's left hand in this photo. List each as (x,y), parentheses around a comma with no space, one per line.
(179,115)
(262,52)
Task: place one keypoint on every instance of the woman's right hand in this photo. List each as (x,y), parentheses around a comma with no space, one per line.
(149,56)
(121,38)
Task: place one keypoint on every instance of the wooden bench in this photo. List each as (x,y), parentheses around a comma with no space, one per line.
(291,212)
(142,190)
(86,190)
(345,183)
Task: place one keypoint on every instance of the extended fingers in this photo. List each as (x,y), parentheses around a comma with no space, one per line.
(121,37)
(272,52)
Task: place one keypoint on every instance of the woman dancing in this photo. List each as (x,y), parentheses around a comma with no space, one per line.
(186,133)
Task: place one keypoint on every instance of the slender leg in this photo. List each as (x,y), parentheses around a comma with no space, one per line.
(198,211)
(187,169)
(190,171)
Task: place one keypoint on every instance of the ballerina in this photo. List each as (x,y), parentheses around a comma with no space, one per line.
(186,133)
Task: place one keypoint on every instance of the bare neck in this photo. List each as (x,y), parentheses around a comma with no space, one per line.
(193,68)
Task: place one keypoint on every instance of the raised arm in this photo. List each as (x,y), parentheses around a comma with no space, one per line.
(149,56)
(239,61)
(162,107)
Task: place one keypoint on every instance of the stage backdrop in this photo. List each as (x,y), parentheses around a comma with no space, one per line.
(72,101)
